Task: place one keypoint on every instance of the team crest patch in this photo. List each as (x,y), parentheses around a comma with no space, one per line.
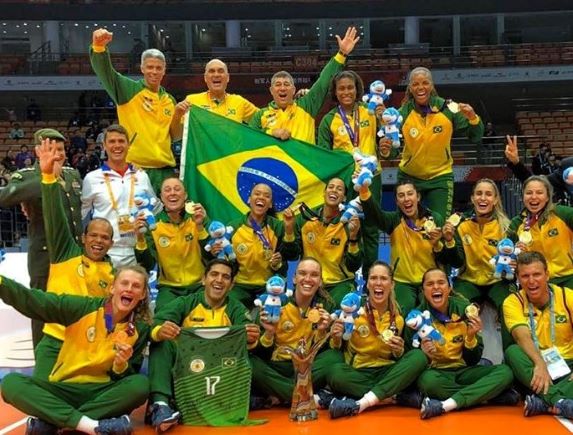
(102,283)
(164,242)
(553,232)
(167,112)
(81,270)
(467,239)
(458,339)
(188,237)
(91,334)
(228,362)
(242,249)
(437,129)
(341,131)
(414,132)
(311,237)
(363,331)
(197,365)
(560,319)
(288,326)
(492,242)
(335,241)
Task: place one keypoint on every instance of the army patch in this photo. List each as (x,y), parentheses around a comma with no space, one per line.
(91,334)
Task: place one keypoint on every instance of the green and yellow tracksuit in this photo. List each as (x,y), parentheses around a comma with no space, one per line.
(273,371)
(177,248)
(191,311)
(299,117)
(71,272)
(516,314)
(411,251)
(427,155)
(233,106)
(553,237)
(453,371)
(328,242)
(84,380)
(368,361)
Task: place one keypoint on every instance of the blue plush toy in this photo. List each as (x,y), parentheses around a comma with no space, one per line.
(376,96)
(220,234)
(392,122)
(350,310)
(144,204)
(273,300)
(506,253)
(367,165)
(421,322)
(351,209)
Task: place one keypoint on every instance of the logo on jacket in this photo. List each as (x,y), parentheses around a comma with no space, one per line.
(414,132)
(553,232)
(91,334)
(438,129)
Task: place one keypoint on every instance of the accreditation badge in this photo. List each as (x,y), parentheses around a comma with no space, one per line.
(556,365)
(125,224)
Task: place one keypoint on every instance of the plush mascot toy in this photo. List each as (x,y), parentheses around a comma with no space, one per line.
(273,300)
(350,310)
(367,165)
(144,203)
(220,234)
(506,253)
(376,96)
(421,322)
(351,209)
(392,122)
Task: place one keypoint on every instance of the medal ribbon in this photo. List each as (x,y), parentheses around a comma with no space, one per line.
(308,213)
(443,318)
(114,204)
(259,232)
(530,220)
(551,320)
(354,135)
(108,317)
(372,321)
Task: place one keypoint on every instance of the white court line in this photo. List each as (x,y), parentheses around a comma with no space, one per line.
(564,421)
(13,426)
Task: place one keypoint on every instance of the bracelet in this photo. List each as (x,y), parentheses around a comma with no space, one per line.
(342,54)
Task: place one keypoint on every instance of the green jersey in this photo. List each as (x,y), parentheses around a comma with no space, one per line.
(212,376)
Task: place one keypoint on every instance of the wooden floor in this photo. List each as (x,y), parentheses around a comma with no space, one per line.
(484,420)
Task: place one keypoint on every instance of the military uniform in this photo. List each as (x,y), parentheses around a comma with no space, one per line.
(25,188)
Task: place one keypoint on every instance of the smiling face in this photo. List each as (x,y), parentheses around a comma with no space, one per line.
(307,279)
(437,289)
(334,193)
(260,200)
(216,77)
(533,278)
(173,195)
(346,92)
(283,90)
(116,146)
(128,289)
(484,198)
(217,281)
(153,70)
(421,87)
(535,196)
(379,286)
(97,239)
(407,200)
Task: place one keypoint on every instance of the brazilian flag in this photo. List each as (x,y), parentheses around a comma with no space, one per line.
(222,160)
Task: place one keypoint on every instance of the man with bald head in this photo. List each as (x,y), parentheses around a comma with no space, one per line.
(215,99)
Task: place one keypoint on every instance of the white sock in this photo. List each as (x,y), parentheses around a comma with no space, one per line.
(87,425)
(160,402)
(368,400)
(449,404)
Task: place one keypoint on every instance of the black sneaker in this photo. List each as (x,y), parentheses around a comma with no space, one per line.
(534,405)
(431,408)
(35,426)
(565,408)
(343,408)
(325,397)
(163,417)
(409,399)
(508,397)
(114,426)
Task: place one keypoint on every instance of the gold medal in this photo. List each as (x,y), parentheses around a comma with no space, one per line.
(525,237)
(455,219)
(268,254)
(387,335)
(472,310)
(429,225)
(313,315)
(453,106)
(120,337)
(189,207)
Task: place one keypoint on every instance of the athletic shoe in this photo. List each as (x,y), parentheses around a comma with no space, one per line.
(431,408)
(325,397)
(565,408)
(343,408)
(114,426)
(35,426)
(508,397)
(534,405)
(410,399)
(485,362)
(258,402)
(163,417)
